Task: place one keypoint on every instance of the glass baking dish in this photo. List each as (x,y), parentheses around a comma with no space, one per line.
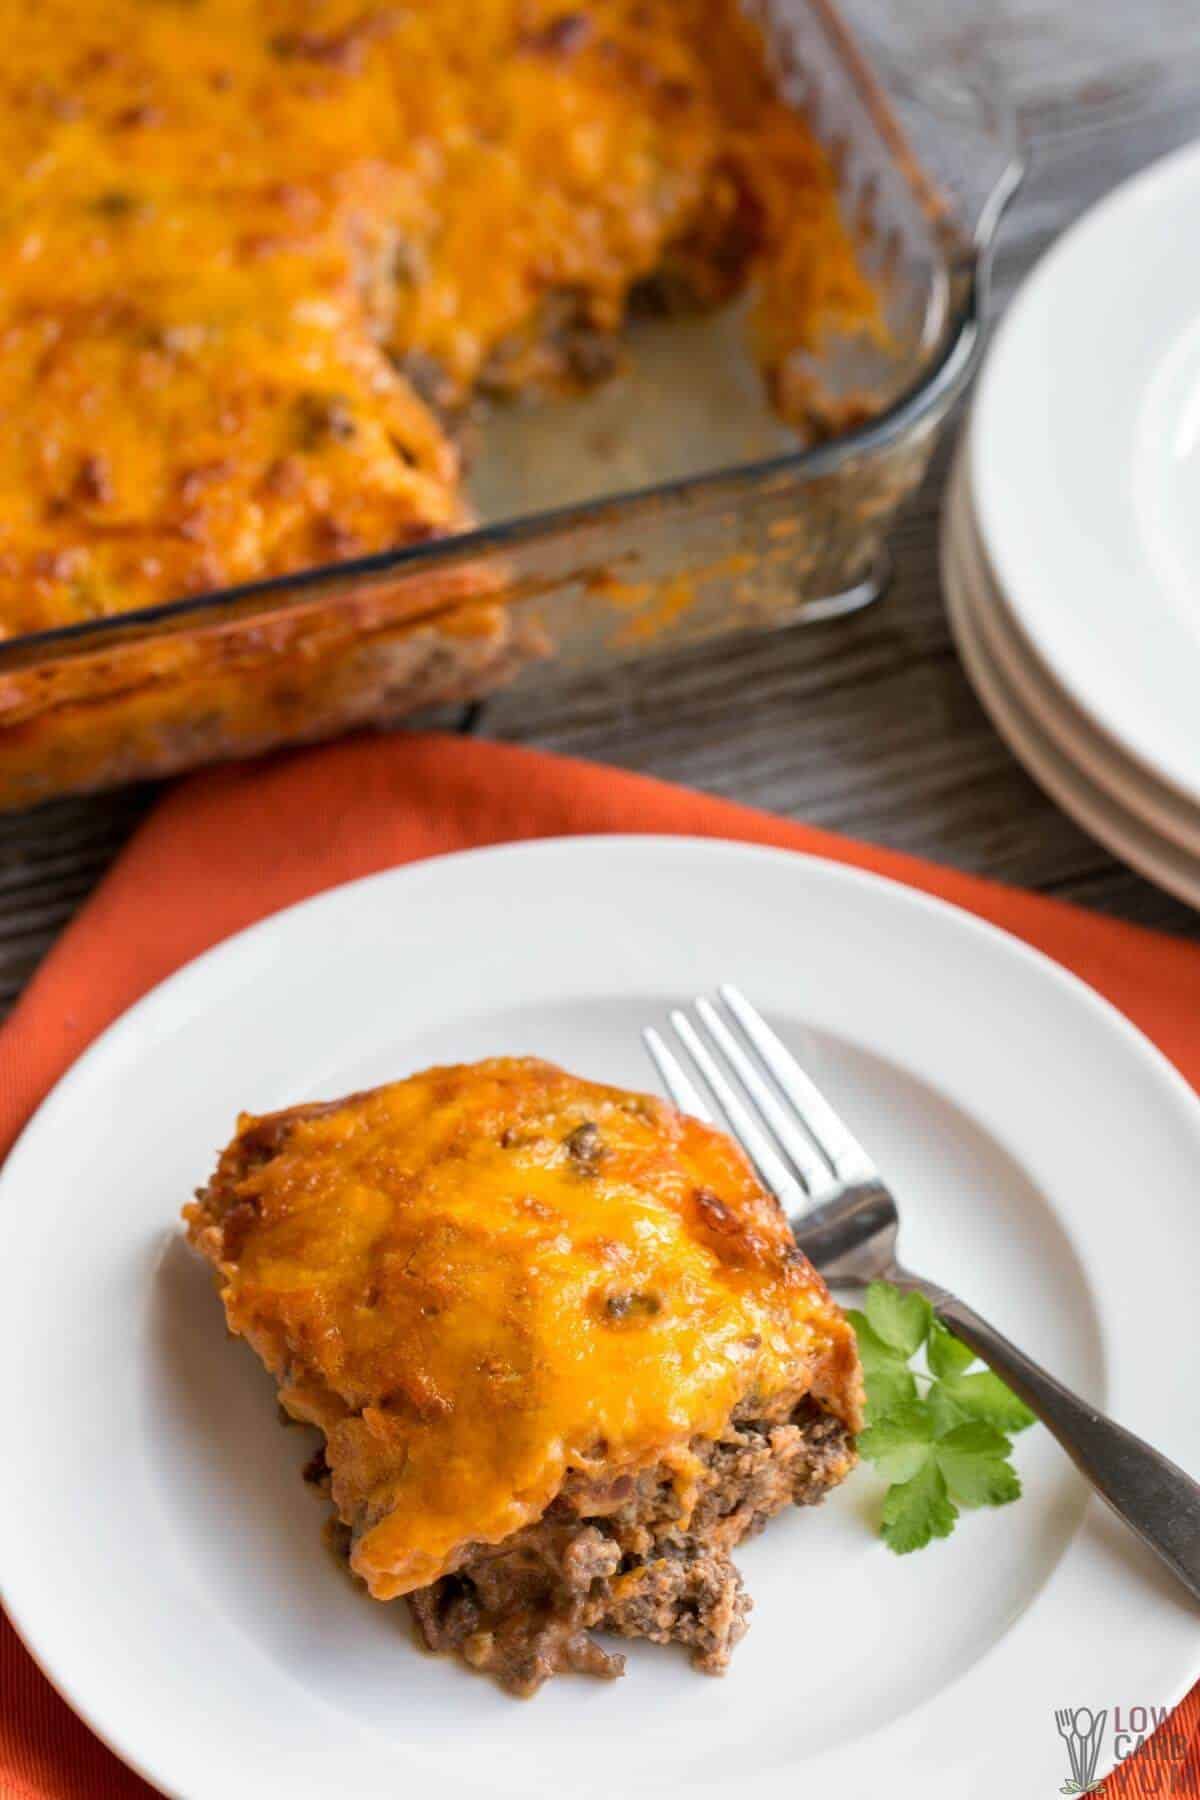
(668,507)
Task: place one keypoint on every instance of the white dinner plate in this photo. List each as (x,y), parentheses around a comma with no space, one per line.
(1084,452)
(1093,754)
(974,610)
(162,1557)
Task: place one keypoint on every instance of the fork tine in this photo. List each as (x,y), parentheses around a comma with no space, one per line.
(749,1133)
(678,1084)
(810,1165)
(844,1152)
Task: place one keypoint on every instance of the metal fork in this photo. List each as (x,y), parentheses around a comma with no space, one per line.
(845,1220)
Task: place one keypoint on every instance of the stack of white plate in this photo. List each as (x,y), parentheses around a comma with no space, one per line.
(1071,532)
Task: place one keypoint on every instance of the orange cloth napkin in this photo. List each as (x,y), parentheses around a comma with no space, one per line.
(226,847)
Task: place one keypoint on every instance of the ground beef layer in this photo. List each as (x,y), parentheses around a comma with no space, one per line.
(614,1555)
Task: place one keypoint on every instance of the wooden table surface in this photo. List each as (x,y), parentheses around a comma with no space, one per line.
(866,725)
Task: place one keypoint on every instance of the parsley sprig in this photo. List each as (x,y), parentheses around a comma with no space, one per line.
(940,1435)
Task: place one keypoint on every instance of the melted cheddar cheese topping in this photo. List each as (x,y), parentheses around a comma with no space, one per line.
(243,243)
(484,1277)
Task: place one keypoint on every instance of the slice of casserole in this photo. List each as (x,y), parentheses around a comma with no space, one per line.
(561,1344)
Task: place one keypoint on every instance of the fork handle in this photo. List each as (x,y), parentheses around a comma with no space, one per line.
(1151,1493)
